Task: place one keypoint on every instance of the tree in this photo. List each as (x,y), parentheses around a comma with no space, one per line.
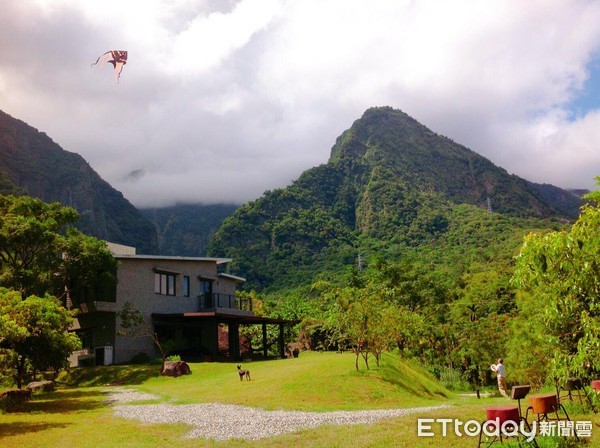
(33,334)
(348,321)
(363,318)
(560,271)
(39,254)
(42,258)
(479,343)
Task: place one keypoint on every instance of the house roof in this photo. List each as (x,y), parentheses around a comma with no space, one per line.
(170,258)
(233,277)
(121,252)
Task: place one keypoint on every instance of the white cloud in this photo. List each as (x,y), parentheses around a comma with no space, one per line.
(210,39)
(224,100)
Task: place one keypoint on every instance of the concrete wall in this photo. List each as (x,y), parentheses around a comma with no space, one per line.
(136,285)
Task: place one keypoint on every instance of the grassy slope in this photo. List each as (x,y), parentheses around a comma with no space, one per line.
(315,381)
(312,382)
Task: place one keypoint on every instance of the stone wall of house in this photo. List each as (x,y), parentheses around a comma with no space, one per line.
(136,278)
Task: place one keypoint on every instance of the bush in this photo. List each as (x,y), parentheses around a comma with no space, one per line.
(451,379)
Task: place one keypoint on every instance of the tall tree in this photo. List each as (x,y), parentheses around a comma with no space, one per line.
(560,271)
(40,254)
(33,334)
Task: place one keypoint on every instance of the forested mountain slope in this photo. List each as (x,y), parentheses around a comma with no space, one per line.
(391,187)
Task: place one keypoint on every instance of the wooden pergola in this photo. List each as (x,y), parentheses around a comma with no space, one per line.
(208,322)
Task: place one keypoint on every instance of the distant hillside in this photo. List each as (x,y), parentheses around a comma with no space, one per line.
(391,186)
(31,163)
(566,201)
(185,229)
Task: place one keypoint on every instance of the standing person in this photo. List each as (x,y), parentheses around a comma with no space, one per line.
(500,370)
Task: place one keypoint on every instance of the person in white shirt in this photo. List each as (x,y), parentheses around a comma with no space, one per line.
(500,370)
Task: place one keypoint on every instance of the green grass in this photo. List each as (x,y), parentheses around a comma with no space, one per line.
(312,382)
(100,376)
(78,416)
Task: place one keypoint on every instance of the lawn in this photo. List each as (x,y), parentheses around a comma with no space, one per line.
(77,414)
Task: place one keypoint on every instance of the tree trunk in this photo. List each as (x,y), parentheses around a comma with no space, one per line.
(365,355)
(20,371)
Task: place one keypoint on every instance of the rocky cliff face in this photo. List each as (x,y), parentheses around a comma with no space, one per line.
(32,163)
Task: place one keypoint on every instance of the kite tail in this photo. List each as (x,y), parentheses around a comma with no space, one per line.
(118,75)
(99,57)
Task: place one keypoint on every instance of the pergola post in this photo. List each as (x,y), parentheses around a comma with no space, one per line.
(281,347)
(234,340)
(216,340)
(264,335)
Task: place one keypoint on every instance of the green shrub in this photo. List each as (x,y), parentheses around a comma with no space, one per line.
(450,378)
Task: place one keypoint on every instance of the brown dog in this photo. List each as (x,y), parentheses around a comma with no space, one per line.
(243,373)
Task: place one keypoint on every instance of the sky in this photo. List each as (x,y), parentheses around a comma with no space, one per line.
(222,100)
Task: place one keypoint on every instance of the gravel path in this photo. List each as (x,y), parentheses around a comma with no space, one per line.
(226,421)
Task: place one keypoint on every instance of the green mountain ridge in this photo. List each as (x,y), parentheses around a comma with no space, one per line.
(32,163)
(390,183)
(391,187)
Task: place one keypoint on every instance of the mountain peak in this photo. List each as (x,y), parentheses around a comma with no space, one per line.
(410,152)
(367,130)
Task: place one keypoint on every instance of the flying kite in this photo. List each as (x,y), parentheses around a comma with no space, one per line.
(117,58)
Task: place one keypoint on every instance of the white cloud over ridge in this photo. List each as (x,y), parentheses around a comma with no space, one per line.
(222,100)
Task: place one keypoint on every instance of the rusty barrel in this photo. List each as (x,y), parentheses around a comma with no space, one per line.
(543,403)
(504,413)
(596,385)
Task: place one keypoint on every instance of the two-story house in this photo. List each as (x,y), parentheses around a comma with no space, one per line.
(187,301)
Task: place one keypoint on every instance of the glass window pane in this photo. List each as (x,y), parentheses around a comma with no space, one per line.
(186,286)
(157,283)
(171,285)
(163,283)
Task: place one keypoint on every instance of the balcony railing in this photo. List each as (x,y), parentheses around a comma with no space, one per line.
(218,300)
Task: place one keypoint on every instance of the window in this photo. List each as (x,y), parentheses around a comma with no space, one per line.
(206,293)
(186,285)
(205,287)
(164,284)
